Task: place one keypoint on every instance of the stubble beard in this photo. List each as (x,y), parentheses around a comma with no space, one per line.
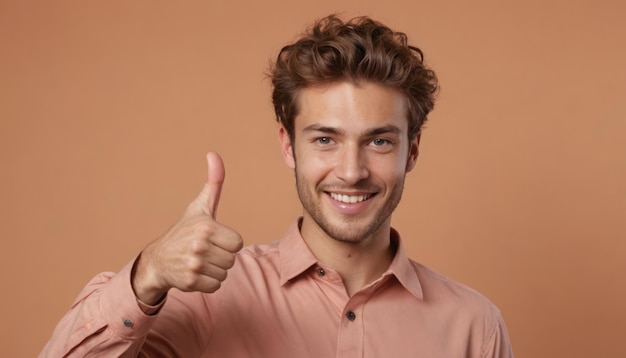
(354,230)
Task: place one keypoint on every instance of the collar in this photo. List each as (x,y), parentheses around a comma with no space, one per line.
(403,268)
(296,258)
(295,255)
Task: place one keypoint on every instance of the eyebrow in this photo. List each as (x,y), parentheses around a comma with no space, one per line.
(383,130)
(316,127)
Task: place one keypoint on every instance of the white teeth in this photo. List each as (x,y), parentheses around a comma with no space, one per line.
(350,199)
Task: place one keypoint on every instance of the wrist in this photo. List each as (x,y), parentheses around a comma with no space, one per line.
(144,284)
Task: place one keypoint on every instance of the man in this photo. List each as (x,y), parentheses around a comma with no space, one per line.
(350,99)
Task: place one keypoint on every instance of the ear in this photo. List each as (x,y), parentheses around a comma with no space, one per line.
(286,147)
(413,152)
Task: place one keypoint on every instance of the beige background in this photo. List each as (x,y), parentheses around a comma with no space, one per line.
(107,109)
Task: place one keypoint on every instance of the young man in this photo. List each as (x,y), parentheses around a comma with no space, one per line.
(351,99)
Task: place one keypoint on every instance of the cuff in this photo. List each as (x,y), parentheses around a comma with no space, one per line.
(126,316)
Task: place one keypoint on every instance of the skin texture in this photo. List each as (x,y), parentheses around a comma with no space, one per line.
(350,140)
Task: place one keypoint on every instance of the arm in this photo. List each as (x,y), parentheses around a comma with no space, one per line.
(95,323)
(113,314)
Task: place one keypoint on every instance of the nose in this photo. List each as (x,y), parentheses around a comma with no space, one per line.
(351,165)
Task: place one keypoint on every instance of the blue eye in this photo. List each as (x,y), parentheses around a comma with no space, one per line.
(380,142)
(323,140)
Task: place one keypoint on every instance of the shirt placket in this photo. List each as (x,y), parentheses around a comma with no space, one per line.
(350,342)
(351,330)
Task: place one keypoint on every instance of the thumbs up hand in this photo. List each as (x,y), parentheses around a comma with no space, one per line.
(195,253)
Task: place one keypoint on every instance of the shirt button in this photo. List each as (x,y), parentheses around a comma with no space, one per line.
(351,316)
(321,272)
(128,323)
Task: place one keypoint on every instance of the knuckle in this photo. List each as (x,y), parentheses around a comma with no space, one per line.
(206,229)
(188,283)
(194,265)
(197,246)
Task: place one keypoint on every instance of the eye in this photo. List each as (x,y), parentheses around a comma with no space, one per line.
(379,142)
(323,140)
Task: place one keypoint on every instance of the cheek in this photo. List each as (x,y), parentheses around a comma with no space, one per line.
(312,168)
(388,171)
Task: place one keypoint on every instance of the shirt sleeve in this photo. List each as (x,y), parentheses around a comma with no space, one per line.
(498,344)
(105,318)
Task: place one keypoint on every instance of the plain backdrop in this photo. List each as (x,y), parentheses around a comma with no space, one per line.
(107,109)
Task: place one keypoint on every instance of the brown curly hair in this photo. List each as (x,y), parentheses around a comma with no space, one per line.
(360,49)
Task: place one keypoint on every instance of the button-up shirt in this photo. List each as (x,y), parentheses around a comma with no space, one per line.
(280,301)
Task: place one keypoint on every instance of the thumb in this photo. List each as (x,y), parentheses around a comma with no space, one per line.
(210,196)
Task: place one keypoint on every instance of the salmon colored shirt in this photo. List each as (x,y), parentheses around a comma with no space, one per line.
(279,301)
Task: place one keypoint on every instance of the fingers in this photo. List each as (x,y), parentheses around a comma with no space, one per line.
(206,268)
(210,196)
(229,241)
(214,270)
(219,259)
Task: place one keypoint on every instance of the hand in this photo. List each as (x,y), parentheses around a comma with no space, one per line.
(195,254)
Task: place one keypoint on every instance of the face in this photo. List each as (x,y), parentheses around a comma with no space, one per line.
(350,153)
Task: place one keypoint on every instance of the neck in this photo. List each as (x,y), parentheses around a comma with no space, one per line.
(358,263)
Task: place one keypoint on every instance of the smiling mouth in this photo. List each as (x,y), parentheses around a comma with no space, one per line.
(350,199)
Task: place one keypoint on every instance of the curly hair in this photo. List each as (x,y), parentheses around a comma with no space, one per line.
(360,49)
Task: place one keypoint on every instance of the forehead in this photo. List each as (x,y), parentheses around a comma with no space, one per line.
(350,106)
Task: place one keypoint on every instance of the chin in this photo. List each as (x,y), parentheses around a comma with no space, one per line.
(350,233)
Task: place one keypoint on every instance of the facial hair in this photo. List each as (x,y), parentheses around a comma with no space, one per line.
(354,229)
